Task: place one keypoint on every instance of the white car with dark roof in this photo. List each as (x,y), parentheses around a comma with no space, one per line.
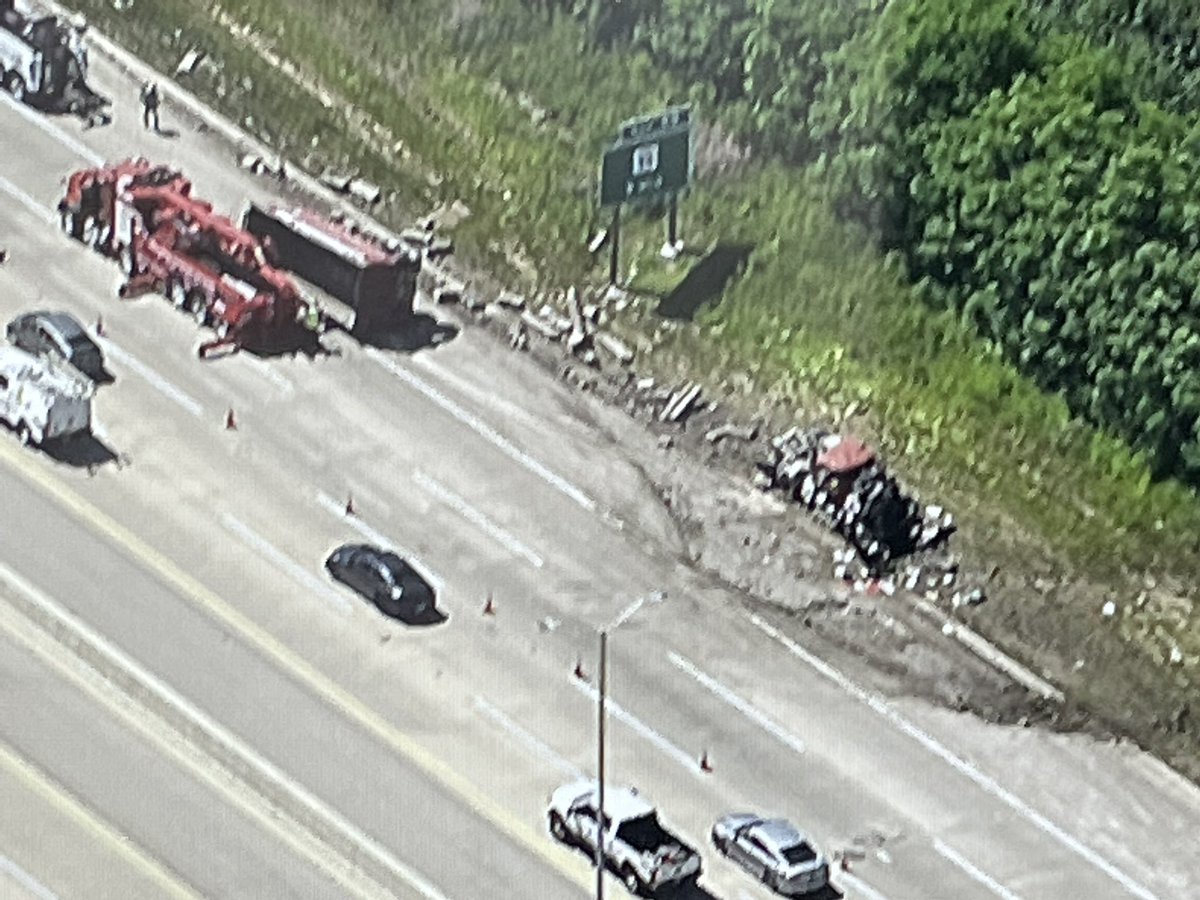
(772,850)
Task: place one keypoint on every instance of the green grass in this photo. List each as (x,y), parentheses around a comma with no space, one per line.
(819,321)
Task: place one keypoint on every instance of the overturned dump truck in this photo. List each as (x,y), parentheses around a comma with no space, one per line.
(377,281)
(842,481)
(42,59)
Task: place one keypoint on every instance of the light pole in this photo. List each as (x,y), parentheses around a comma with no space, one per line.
(601,716)
(600,765)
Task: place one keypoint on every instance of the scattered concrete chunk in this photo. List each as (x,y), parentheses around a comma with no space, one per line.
(618,349)
(187,65)
(681,403)
(541,326)
(511,300)
(365,191)
(338,181)
(449,292)
(745,433)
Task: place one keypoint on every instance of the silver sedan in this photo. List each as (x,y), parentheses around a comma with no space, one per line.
(773,850)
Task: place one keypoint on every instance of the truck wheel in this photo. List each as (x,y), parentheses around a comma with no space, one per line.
(25,434)
(558,828)
(69,222)
(15,85)
(88,229)
(177,293)
(632,882)
(128,260)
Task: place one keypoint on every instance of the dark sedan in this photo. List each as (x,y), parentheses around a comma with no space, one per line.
(385,579)
(57,334)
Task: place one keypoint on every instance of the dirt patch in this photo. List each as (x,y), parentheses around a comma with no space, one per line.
(776,556)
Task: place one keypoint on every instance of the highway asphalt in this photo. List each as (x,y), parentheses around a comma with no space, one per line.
(252,730)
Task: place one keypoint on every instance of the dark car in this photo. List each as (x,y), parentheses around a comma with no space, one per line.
(57,334)
(384,578)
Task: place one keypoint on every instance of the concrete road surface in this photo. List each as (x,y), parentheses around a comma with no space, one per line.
(185,569)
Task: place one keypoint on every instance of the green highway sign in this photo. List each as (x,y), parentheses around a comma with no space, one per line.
(648,167)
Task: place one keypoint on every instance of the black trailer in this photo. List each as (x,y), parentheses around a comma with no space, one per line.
(377,282)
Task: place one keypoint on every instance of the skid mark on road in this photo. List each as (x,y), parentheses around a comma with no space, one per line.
(985,782)
(475,517)
(761,719)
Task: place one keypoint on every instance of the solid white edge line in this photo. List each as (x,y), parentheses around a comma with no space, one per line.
(25,880)
(475,517)
(619,713)
(538,746)
(29,115)
(155,380)
(988,784)
(747,709)
(485,431)
(339,510)
(220,733)
(859,886)
(282,561)
(973,871)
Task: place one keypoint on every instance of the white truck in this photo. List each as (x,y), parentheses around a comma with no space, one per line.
(41,58)
(43,400)
(637,847)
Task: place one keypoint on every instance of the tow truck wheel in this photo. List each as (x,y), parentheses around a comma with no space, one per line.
(88,230)
(177,293)
(558,828)
(200,310)
(632,882)
(15,85)
(66,221)
(128,261)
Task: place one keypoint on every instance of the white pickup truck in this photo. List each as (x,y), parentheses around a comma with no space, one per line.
(645,855)
(43,400)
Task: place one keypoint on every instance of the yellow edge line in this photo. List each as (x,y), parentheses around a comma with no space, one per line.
(65,802)
(533,840)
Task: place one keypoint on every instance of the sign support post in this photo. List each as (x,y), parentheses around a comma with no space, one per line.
(614,236)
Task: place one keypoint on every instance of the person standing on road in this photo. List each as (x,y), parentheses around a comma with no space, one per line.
(150,105)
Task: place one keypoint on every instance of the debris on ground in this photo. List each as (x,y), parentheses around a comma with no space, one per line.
(449,292)
(743,433)
(189,62)
(681,403)
(843,482)
(272,166)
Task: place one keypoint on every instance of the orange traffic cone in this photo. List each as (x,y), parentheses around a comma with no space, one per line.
(350,506)
(230,421)
(99,326)
(705,765)
(578,672)
(489,608)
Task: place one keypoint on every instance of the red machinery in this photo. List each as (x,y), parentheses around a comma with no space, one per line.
(168,241)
